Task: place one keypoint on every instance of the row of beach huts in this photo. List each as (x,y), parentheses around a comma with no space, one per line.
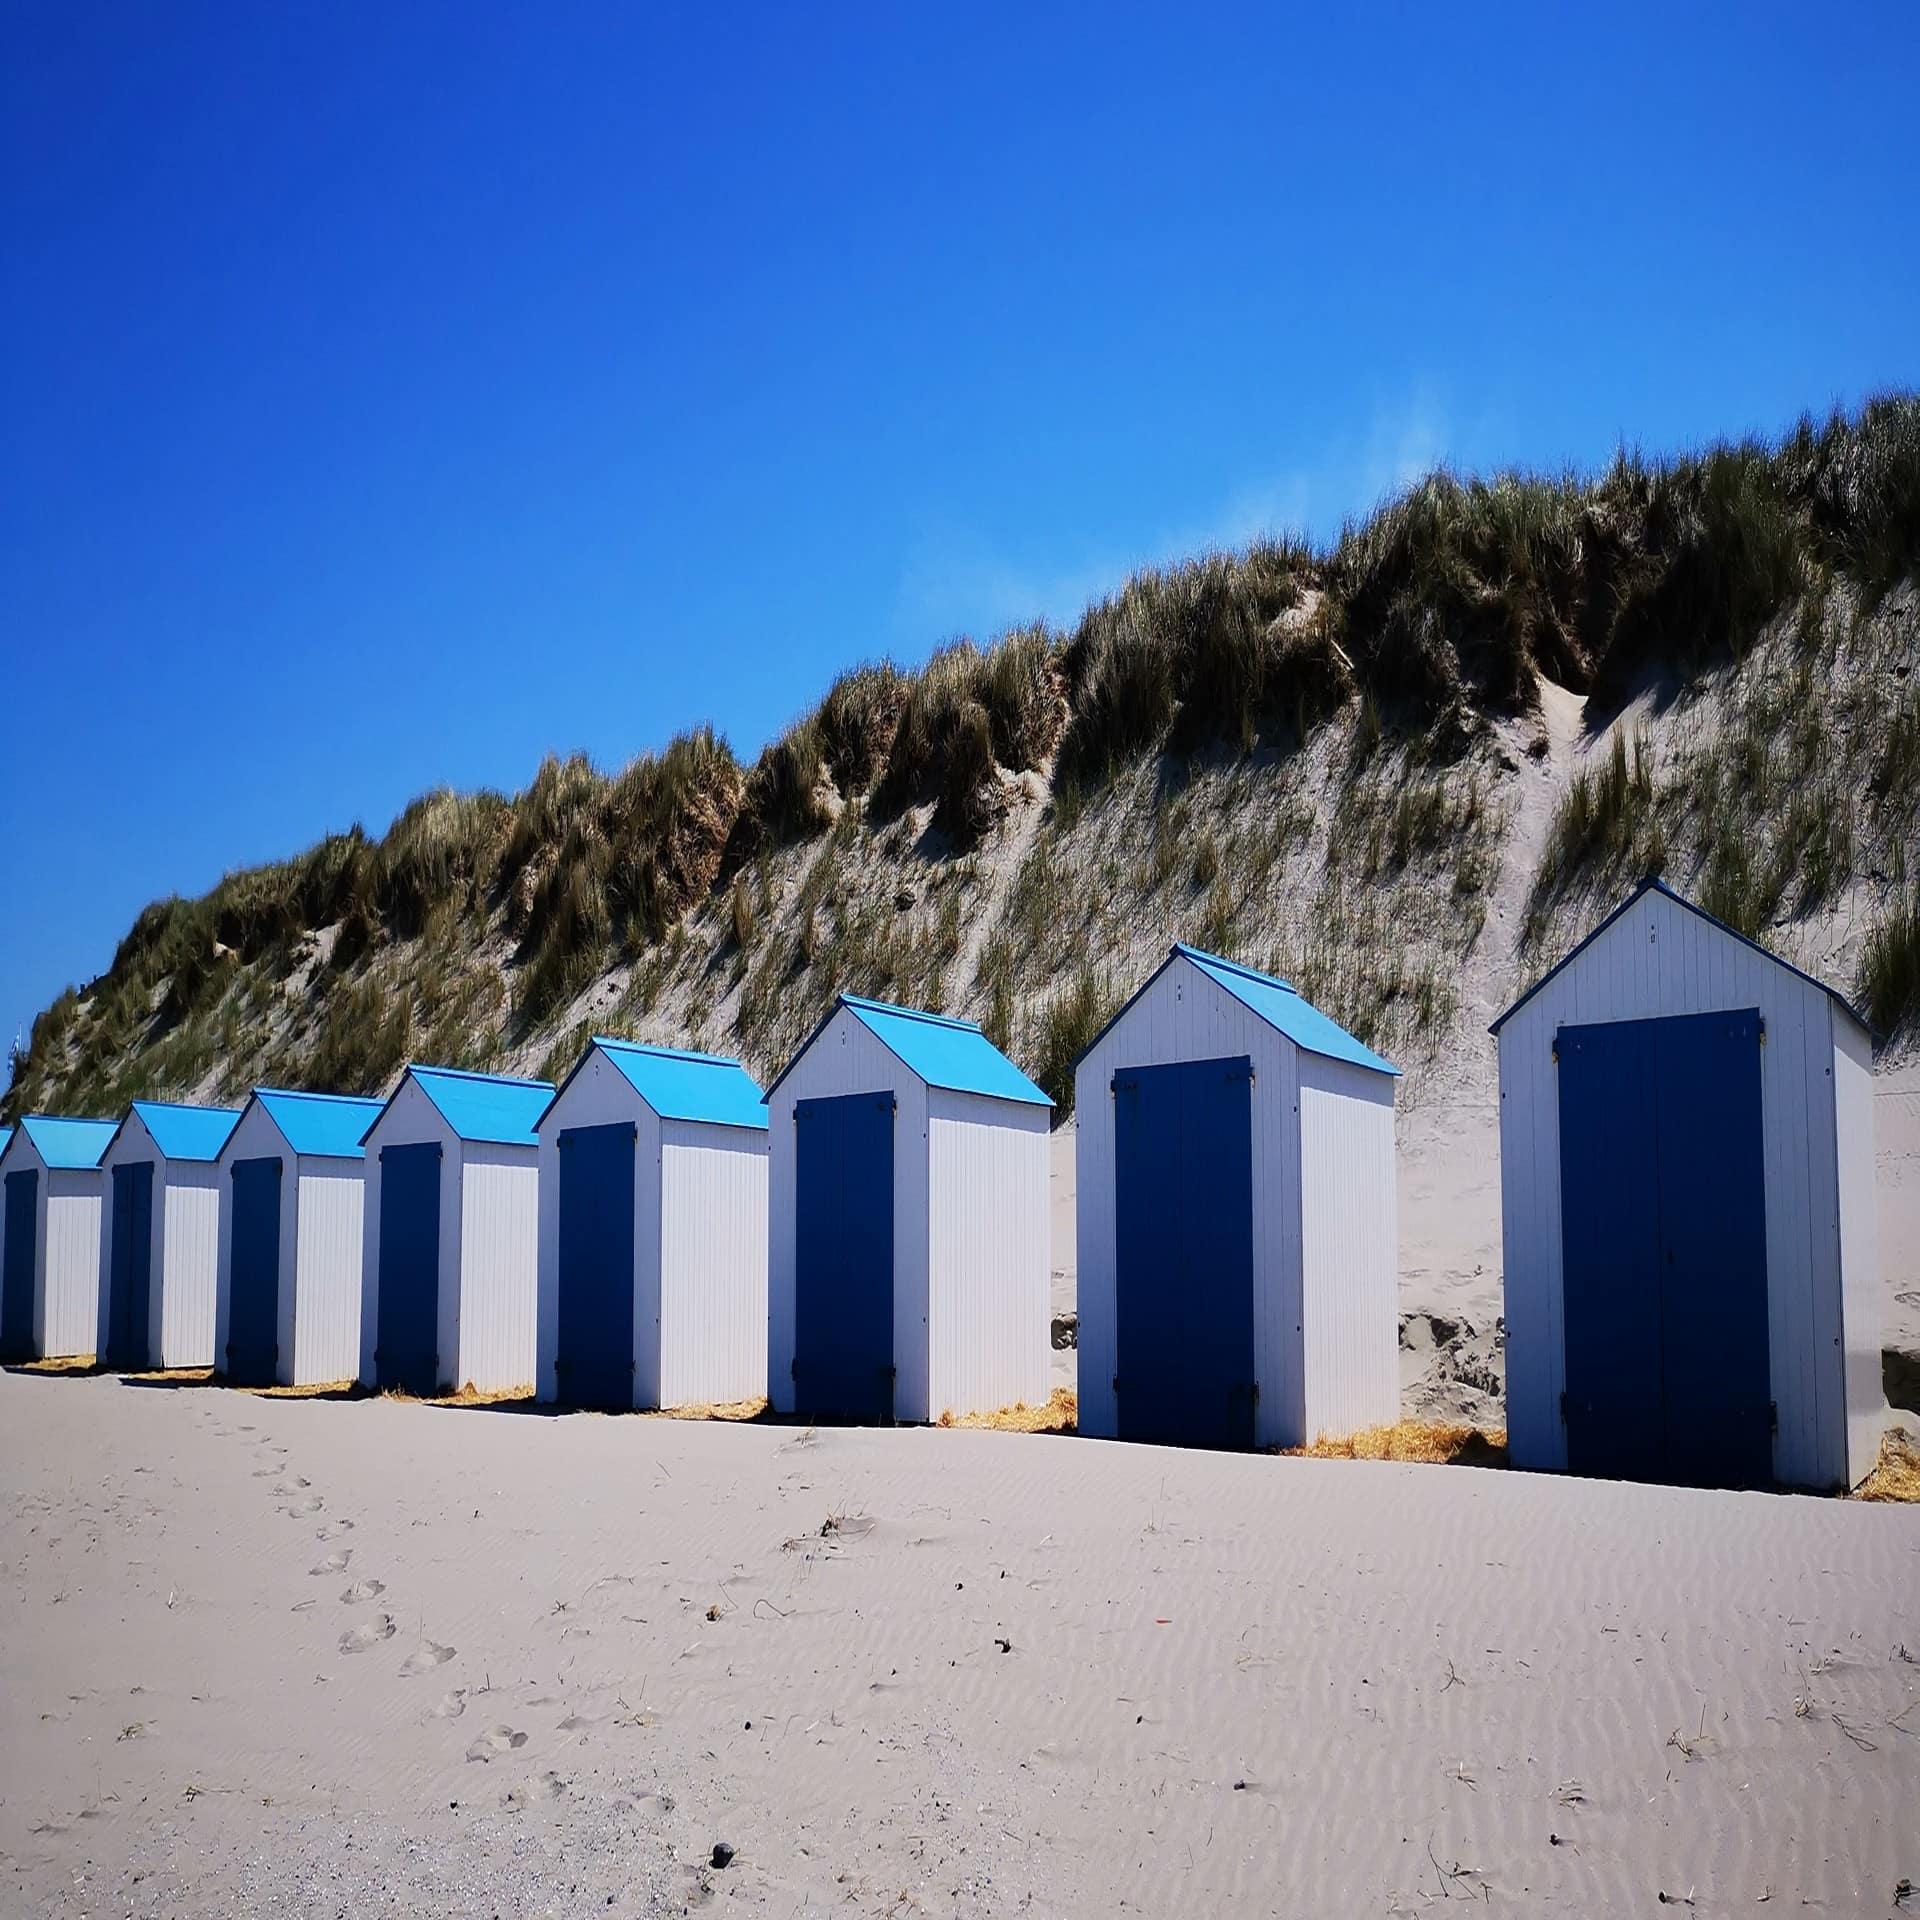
(1692,1286)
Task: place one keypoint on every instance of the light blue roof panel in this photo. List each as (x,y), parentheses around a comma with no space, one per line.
(489,1107)
(187,1133)
(327,1125)
(689,1086)
(953,1054)
(73,1146)
(1284,1009)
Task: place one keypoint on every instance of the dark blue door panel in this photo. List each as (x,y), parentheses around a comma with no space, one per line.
(16,1266)
(130,1268)
(1183,1267)
(1713,1242)
(1663,1222)
(406,1351)
(253,1296)
(843,1257)
(1609,1209)
(596,1266)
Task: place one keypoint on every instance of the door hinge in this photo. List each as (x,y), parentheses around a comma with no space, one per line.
(793,1368)
(1773,1416)
(1563,1408)
(1115,1383)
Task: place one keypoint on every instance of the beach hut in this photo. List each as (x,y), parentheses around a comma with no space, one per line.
(653,1231)
(160,1235)
(50,1264)
(1235,1209)
(908,1226)
(292,1214)
(1687,1207)
(451,1238)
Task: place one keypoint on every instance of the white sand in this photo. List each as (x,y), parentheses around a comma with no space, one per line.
(1237,1685)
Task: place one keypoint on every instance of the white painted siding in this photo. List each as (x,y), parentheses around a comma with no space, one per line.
(330,1225)
(70,1263)
(1350,1283)
(847,1057)
(1861,1295)
(1183,1016)
(712,1264)
(187,1268)
(990,1271)
(1660,959)
(499,1251)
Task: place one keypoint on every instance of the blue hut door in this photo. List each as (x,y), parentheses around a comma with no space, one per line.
(16,1266)
(595,1351)
(406,1350)
(130,1274)
(253,1295)
(1664,1255)
(1183,1267)
(843,1257)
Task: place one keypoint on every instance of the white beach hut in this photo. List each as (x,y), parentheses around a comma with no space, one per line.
(292,1216)
(451,1238)
(50,1263)
(160,1235)
(1238,1262)
(1687,1208)
(909,1237)
(653,1231)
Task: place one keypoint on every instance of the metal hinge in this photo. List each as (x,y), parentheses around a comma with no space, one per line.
(1563,1408)
(1115,1383)
(1773,1416)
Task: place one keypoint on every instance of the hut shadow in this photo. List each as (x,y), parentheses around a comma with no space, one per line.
(174,1381)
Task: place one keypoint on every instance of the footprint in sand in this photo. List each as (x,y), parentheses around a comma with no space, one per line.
(495,1742)
(333,1530)
(425,1659)
(335,1562)
(368,1634)
(362,1590)
(288,1488)
(549,1786)
(450,1706)
(302,1509)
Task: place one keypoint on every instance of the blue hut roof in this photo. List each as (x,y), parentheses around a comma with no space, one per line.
(186,1133)
(682,1085)
(72,1146)
(1285,1009)
(953,1054)
(494,1108)
(1280,1004)
(329,1126)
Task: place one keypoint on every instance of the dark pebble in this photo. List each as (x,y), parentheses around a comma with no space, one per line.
(722,1854)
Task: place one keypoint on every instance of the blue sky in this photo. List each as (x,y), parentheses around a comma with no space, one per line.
(391,395)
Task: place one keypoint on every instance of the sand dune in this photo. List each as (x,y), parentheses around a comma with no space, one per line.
(310,1658)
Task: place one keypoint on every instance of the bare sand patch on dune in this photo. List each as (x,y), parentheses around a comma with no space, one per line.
(565,1664)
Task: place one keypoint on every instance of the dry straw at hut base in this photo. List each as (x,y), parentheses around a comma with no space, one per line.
(1896,1476)
(1430,1443)
(1060,1414)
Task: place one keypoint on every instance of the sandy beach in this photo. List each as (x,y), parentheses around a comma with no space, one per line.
(312,1657)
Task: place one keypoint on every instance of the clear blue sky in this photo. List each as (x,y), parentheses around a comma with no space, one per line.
(391,394)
